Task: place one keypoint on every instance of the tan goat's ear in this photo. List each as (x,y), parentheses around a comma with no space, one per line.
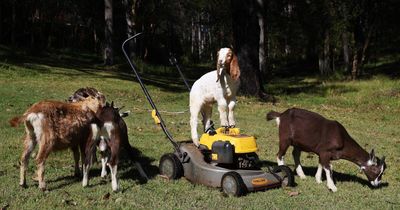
(234,68)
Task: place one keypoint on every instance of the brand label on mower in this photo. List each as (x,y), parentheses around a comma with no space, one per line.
(258,182)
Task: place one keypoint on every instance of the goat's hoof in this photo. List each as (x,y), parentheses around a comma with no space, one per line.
(318,181)
(333,189)
(23,185)
(302,177)
(42,186)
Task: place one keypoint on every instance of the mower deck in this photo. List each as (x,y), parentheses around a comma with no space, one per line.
(196,170)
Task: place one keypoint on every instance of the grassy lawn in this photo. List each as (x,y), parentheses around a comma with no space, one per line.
(369,109)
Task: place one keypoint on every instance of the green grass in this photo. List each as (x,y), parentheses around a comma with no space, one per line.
(369,109)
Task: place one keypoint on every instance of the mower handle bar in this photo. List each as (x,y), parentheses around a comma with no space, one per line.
(146,93)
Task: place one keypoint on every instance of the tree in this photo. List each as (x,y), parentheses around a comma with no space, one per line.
(108,32)
(246,35)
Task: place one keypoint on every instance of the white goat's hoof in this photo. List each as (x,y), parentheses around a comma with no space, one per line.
(115,187)
(333,188)
(319,181)
(302,176)
(42,186)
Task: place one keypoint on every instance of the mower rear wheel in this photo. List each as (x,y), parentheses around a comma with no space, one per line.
(170,166)
(286,175)
(232,184)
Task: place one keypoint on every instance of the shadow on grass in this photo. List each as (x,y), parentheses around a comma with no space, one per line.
(168,80)
(392,70)
(297,85)
(341,177)
(337,176)
(131,172)
(126,170)
(167,77)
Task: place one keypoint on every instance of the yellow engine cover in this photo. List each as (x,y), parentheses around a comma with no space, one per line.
(243,143)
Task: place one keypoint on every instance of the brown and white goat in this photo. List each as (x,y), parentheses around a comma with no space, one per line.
(310,132)
(108,136)
(55,126)
(83,93)
(218,86)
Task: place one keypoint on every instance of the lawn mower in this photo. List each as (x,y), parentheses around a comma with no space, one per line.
(225,159)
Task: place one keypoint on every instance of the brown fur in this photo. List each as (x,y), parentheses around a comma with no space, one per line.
(61,126)
(231,64)
(234,68)
(311,132)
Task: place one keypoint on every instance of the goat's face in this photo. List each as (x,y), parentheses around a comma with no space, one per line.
(374,169)
(83,93)
(109,113)
(227,62)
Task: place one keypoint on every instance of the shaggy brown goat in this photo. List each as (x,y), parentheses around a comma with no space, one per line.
(310,132)
(55,126)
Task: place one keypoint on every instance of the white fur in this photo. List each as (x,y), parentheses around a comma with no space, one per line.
(299,170)
(102,144)
(85,179)
(205,92)
(278,121)
(280,161)
(36,120)
(318,175)
(106,130)
(377,182)
(329,181)
(103,166)
(95,131)
(114,181)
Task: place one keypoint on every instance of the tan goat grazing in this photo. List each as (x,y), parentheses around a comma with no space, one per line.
(55,126)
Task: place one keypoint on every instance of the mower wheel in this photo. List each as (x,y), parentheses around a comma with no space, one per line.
(232,184)
(170,166)
(286,175)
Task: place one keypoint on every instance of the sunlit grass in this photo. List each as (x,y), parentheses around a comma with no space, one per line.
(369,109)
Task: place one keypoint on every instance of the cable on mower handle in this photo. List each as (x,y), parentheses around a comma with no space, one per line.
(148,97)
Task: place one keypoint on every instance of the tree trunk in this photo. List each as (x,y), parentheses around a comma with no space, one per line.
(263,37)
(130,24)
(246,35)
(324,62)
(108,32)
(358,48)
(346,51)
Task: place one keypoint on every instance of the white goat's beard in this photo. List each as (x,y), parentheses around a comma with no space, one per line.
(219,73)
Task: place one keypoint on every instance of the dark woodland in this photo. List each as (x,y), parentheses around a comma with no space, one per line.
(271,37)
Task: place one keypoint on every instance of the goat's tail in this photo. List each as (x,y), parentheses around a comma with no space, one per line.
(14,122)
(273,115)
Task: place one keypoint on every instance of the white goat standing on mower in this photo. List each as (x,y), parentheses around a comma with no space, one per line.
(218,86)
